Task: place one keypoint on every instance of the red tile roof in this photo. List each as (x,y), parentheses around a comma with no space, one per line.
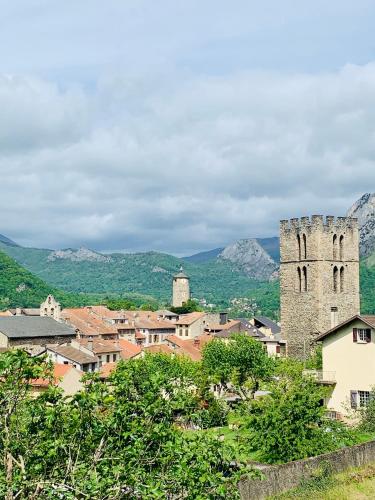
(59,371)
(128,350)
(158,348)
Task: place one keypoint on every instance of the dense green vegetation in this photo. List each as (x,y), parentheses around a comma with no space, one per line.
(123,441)
(149,274)
(20,288)
(146,278)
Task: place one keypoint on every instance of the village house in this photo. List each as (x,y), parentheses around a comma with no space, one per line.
(83,360)
(348,352)
(33,333)
(66,377)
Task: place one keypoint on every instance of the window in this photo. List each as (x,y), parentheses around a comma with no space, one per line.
(364,398)
(299,246)
(304,272)
(304,246)
(335,278)
(277,349)
(66,362)
(299,283)
(108,358)
(341,247)
(186,332)
(334,317)
(114,357)
(342,279)
(362,335)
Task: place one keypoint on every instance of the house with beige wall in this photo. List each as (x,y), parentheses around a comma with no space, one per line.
(348,363)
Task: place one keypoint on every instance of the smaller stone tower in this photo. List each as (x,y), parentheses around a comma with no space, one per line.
(181,289)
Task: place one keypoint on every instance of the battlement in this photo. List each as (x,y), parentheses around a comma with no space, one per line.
(319,223)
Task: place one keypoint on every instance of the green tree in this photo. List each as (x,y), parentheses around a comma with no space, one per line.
(289,424)
(188,307)
(240,362)
(120,440)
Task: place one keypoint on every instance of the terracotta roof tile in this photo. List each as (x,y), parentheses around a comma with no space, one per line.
(188,319)
(128,350)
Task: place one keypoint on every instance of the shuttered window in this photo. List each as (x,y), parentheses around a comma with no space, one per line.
(362,335)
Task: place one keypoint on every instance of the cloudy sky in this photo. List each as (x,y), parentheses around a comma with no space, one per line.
(181,125)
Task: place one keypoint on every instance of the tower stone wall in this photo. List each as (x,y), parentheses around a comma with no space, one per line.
(319,278)
(181,289)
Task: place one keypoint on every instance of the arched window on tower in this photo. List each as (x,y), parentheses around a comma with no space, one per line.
(299,246)
(299,282)
(342,283)
(304,246)
(341,247)
(335,279)
(304,283)
(334,241)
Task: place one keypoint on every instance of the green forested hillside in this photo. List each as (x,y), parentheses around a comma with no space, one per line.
(148,273)
(20,288)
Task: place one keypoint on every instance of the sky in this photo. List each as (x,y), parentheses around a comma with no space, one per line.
(181,125)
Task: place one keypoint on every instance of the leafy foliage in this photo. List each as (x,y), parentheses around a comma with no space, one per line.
(119,441)
(241,361)
(289,424)
(188,307)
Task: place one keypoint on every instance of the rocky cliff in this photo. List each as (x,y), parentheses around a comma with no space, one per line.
(251,258)
(364,210)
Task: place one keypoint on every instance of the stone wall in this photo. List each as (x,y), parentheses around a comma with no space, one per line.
(280,478)
(316,247)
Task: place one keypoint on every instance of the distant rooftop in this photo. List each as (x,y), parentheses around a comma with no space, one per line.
(33,326)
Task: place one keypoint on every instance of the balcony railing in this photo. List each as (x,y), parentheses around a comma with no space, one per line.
(322,376)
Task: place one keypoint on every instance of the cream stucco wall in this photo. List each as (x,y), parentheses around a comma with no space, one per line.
(353,364)
(71,382)
(3,340)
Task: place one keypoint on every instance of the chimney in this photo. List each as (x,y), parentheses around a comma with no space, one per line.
(223,318)
(90,343)
(18,311)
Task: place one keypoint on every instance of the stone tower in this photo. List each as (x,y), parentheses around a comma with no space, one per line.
(181,289)
(319,278)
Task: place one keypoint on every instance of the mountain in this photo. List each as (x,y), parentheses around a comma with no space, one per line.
(364,210)
(207,256)
(218,280)
(251,258)
(6,240)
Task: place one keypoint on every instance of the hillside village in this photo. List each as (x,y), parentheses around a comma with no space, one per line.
(320,302)
(251,371)
(95,338)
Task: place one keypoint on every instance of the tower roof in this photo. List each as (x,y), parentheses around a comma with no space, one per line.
(181,274)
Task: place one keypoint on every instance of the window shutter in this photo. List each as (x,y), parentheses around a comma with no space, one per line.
(353,399)
(277,349)
(355,334)
(368,335)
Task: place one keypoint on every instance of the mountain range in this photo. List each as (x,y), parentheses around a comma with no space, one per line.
(247,268)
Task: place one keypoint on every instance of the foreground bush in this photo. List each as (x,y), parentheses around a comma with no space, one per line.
(108,442)
(289,424)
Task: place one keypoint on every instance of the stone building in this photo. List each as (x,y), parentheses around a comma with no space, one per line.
(181,289)
(51,308)
(319,278)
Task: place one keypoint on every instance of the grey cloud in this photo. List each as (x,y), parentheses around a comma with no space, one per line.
(190,165)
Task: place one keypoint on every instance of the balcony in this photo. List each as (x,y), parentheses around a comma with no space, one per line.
(321,376)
